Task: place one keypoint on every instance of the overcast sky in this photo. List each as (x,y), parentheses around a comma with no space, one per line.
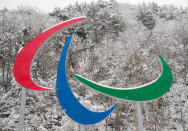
(48,5)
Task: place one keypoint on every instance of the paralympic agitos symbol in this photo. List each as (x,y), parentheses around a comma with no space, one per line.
(68,101)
